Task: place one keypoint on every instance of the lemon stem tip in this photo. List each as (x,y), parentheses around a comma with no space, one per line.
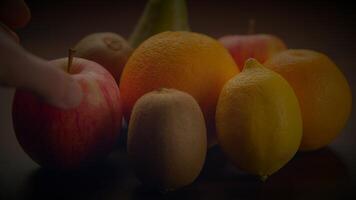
(264,178)
(251,63)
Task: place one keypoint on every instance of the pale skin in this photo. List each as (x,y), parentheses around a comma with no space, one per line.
(21,69)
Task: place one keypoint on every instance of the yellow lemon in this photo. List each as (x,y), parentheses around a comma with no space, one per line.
(258,120)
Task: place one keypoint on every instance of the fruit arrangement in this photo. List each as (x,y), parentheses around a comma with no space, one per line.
(182,92)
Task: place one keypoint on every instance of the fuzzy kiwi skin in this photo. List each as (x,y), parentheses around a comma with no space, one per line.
(167,139)
(107,49)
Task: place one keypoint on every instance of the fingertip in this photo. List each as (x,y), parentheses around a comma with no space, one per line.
(14,13)
(57,87)
(25,17)
(71,96)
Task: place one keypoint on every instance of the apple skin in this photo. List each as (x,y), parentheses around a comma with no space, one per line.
(258,46)
(72,138)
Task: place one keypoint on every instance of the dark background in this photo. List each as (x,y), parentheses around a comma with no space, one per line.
(329,173)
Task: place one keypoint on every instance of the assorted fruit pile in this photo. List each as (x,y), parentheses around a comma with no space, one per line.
(182,92)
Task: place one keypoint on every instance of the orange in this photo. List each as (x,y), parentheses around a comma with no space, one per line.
(187,61)
(322,91)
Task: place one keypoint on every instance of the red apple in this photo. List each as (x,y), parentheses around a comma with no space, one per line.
(258,46)
(72,138)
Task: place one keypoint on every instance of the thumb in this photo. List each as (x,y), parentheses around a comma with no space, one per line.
(18,68)
(49,82)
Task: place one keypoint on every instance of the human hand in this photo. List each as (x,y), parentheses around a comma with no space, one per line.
(21,69)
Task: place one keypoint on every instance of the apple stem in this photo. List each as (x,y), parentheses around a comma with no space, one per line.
(251,26)
(71,52)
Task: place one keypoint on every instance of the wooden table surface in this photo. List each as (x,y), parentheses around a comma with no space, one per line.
(329,173)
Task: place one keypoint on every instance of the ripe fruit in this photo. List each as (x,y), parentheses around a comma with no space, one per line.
(108,49)
(167,139)
(322,90)
(191,62)
(258,120)
(159,16)
(260,47)
(70,139)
